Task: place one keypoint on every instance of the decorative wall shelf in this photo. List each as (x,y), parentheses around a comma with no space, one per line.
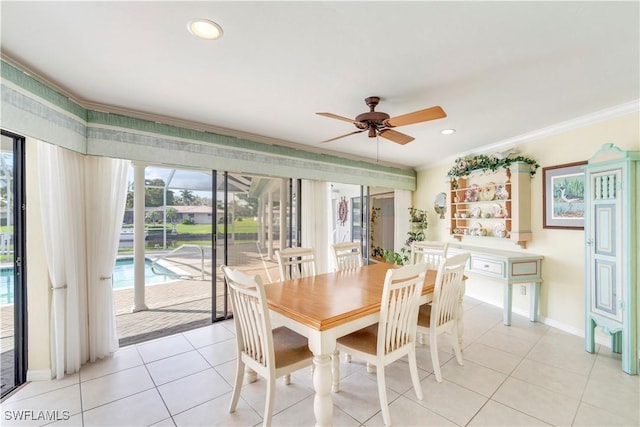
(492,204)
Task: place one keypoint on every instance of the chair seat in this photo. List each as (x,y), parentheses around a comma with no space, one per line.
(364,340)
(289,347)
(424,315)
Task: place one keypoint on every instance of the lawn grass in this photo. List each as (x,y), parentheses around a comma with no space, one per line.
(248,225)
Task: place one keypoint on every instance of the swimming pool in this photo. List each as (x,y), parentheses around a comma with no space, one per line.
(122,277)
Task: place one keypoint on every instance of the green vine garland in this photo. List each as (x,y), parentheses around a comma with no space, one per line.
(465,166)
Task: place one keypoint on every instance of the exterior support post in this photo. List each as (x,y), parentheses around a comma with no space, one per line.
(138,238)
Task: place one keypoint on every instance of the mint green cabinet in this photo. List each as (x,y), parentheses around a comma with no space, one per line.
(611,265)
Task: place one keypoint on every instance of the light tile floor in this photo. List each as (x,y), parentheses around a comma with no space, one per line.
(527,374)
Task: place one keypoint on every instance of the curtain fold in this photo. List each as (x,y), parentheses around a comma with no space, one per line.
(61,175)
(105,190)
(402,225)
(316,221)
(82,204)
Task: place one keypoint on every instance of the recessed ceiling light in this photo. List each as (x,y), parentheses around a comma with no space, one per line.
(204,28)
(447,131)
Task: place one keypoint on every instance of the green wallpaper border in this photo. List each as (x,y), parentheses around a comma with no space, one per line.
(38,110)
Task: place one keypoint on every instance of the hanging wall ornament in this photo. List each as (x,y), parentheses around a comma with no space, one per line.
(343,211)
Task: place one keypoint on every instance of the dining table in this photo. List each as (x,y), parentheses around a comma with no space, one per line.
(326,307)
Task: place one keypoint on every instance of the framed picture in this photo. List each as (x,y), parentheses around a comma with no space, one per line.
(563,196)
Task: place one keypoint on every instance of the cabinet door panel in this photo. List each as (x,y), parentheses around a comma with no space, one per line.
(605,229)
(604,290)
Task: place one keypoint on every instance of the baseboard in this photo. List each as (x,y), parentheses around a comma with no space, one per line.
(39,375)
(601,340)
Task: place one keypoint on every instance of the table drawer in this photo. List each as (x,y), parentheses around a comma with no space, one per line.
(488,267)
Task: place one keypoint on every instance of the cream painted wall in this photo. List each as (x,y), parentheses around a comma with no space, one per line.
(562,292)
(38,284)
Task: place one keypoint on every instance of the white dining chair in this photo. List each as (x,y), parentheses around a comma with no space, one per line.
(269,353)
(444,314)
(347,255)
(394,336)
(294,263)
(431,252)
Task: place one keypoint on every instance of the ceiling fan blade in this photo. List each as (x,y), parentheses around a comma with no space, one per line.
(342,136)
(395,136)
(432,113)
(335,116)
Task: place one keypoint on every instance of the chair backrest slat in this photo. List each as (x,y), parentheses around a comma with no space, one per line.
(295,263)
(347,255)
(448,290)
(428,251)
(399,307)
(251,316)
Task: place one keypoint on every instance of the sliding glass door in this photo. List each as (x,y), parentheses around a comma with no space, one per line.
(13,304)
(256,216)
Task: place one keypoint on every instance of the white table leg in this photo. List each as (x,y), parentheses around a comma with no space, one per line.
(335,371)
(322,402)
(534,295)
(508,297)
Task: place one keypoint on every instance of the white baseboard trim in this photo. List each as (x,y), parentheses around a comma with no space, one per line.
(601,340)
(39,375)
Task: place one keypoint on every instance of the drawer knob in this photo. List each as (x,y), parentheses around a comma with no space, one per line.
(486,266)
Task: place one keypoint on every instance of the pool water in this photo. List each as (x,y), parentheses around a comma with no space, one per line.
(123,273)
(122,277)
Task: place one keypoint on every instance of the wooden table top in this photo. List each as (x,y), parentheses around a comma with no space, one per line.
(328,300)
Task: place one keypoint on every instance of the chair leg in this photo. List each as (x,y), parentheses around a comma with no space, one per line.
(268,403)
(435,360)
(252,376)
(456,345)
(415,379)
(382,394)
(237,385)
(335,371)
(422,338)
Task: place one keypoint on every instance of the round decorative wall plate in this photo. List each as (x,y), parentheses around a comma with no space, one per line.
(472,193)
(476,229)
(497,210)
(488,191)
(499,230)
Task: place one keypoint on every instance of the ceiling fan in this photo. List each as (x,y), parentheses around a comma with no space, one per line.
(377,123)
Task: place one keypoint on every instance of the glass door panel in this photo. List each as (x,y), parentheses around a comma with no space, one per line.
(178,220)
(12,263)
(254,219)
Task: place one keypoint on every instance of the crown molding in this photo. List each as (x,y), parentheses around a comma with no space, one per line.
(586,120)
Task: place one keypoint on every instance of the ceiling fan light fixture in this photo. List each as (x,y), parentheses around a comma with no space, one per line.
(204,29)
(448,131)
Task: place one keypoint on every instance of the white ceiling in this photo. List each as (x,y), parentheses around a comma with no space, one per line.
(500,70)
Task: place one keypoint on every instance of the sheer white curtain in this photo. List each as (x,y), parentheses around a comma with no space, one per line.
(401,204)
(316,221)
(106,191)
(62,205)
(82,204)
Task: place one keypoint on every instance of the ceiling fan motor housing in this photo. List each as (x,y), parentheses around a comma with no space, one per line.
(371,120)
